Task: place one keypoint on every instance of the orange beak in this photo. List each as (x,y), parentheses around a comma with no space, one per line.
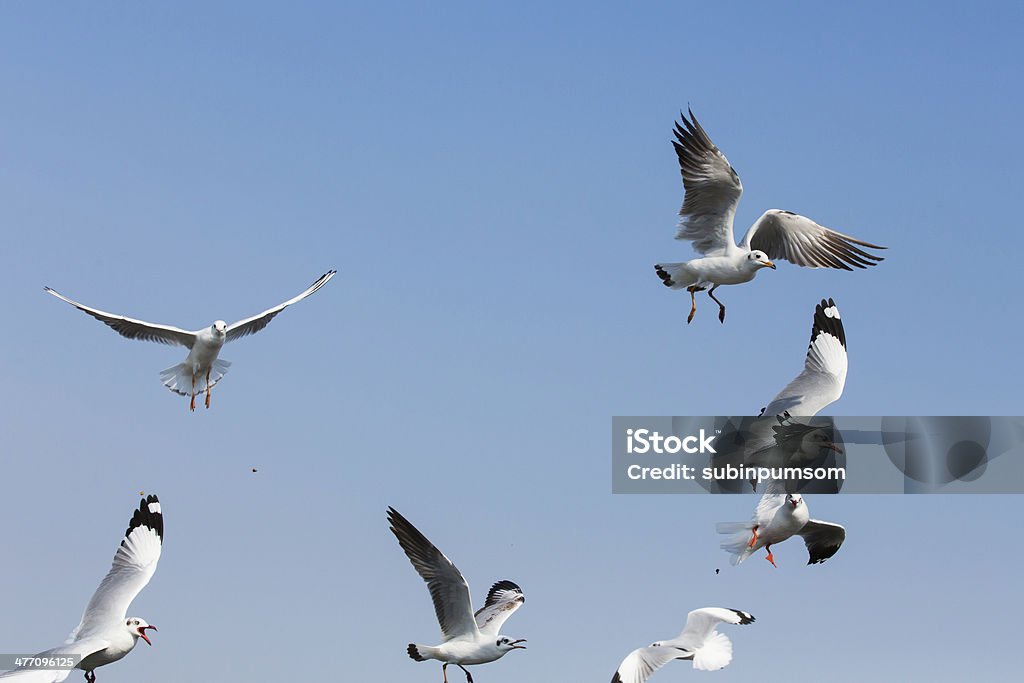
(142,634)
(770,265)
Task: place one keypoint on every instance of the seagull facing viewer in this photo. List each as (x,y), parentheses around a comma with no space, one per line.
(203,345)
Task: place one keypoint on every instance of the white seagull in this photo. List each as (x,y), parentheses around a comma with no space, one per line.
(712,192)
(780,516)
(779,440)
(699,641)
(469,638)
(203,345)
(824,375)
(105,634)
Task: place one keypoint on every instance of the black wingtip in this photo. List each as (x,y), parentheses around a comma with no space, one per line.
(828,320)
(616,678)
(148,515)
(499,587)
(745,617)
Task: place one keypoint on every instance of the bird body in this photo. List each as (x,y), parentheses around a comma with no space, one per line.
(779,517)
(202,367)
(698,642)
(105,634)
(712,193)
(469,637)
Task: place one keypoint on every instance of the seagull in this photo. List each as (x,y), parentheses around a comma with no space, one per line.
(780,516)
(791,442)
(700,642)
(712,192)
(469,638)
(105,634)
(824,375)
(203,345)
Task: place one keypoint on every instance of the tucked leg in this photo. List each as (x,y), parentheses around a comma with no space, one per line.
(753,538)
(721,306)
(192,403)
(208,387)
(469,676)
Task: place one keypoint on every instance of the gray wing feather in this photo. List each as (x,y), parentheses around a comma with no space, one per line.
(799,240)
(252,325)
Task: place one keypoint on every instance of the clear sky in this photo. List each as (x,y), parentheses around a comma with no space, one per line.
(493,183)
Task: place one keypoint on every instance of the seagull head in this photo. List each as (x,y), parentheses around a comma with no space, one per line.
(506,644)
(219,328)
(760,259)
(822,440)
(137,627)
(794,500)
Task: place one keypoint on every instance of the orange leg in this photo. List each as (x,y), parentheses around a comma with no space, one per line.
(753,538)
(770,557)
(192,403)
(693,304)
(207,389)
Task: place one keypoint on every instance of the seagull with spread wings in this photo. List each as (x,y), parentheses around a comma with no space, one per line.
(778,517)
(713,191)
(699,642)
(469,638)
(203,345)
(105,633)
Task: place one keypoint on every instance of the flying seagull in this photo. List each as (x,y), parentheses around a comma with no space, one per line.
(105,634)
(781,440)
(202,362)
(699,642)
(469,638)
(712,192)
(780,516)
(824,375)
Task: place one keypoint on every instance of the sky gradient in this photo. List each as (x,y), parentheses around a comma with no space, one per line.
(494,184)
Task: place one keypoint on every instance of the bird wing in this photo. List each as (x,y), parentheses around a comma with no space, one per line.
(448,589)
(822,539)
(132,568)
(799,240)
(134,329)
(256,323)
(701,623)
(503,599)
(712,190)
(824,373)
(639,664)
(80,649)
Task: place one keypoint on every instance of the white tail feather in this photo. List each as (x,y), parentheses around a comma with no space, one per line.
(738,542)
(715,653)
(178,378)
(675,275)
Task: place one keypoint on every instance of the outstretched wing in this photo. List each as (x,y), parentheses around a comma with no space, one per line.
(133,567)
(448,589)
(258,322)
(639,664)
(822,540)
(712,190)
(824,373)
(799,240)
(134,329)
(503,599)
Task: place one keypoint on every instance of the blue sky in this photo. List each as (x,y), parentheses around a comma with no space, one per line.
(493,184)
